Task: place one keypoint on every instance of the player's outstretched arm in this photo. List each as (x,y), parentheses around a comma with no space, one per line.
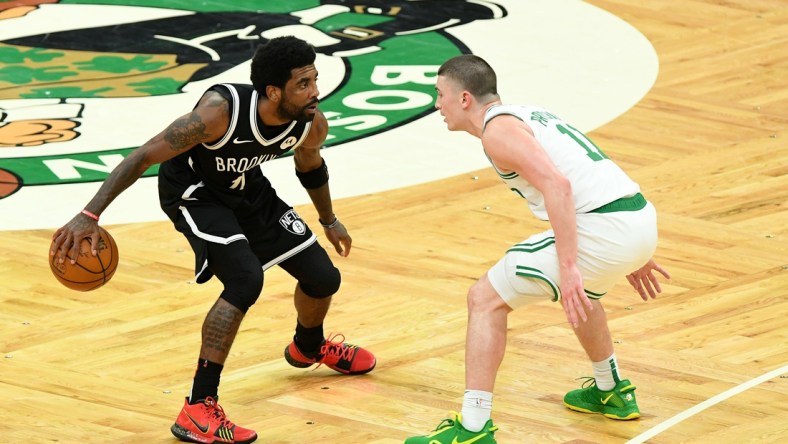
(645,282)
(207,122)
(313,174)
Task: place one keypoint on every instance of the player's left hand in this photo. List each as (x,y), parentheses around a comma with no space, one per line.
(339,238)
(644,281)
(573,296)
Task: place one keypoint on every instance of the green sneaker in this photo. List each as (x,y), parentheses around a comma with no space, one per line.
(451,431)
(619,403)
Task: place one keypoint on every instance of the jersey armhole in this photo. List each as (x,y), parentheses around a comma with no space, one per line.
(235,102)
(501,113)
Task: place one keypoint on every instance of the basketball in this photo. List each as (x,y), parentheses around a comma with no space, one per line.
(10,183)
(88,272)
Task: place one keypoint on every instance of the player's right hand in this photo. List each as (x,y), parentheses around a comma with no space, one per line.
(68,237)
(573,296)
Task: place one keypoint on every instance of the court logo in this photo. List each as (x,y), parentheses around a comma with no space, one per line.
(71,96)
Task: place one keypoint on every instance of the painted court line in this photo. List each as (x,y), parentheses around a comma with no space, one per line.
(648,434)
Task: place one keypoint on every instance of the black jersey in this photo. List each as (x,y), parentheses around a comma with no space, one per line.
(228,169)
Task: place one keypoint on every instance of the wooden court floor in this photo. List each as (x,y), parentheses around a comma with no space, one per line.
(709,146)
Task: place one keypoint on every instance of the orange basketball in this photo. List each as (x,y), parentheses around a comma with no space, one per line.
(10,183)
(88,272)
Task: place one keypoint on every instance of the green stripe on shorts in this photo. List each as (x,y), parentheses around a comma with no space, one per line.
(534,246)
(536,274)
(593,295)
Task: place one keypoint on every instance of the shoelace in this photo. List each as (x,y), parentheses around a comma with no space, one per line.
(448,422)
(337,349)
(215,410)
(589,381)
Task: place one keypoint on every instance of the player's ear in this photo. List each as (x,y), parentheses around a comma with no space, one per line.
(273,93)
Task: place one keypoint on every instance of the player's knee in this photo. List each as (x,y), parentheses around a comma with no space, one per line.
(322,285)
(483,298)
(243,289)
(474,298)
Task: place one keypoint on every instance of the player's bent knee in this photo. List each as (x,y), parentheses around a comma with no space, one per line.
(483,297)
(324,285)
(243,289)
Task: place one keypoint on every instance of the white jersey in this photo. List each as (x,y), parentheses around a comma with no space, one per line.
(595,179)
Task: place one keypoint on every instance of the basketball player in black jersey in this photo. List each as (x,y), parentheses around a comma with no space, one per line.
(211,187)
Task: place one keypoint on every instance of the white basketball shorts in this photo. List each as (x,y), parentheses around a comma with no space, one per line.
(609,246)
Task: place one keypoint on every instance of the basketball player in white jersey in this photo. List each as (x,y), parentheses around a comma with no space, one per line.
(602,230)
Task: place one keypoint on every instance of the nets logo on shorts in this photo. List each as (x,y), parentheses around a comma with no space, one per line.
(293,223)
(74,101)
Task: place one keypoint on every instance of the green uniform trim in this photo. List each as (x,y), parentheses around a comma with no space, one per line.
(592,295)
(634,203)
(535,246)
(536,274)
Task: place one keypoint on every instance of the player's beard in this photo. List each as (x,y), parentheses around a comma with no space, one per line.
(288,111)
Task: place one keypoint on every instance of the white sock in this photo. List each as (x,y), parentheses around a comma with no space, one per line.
(476,409)
(606,373)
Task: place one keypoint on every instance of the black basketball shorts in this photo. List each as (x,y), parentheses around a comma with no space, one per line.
(272,229)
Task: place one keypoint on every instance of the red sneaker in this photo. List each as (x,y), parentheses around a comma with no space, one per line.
(206,423)
(340,356)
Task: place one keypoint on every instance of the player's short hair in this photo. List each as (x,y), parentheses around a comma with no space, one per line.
(472,74)
(273,61)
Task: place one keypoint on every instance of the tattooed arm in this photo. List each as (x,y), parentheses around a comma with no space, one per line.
(207,122)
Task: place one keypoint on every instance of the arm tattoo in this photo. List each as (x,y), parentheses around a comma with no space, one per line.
(185,132)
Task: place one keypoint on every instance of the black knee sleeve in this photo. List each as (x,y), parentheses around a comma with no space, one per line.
(316,274)
(322,286)
(243,289)
(236,266)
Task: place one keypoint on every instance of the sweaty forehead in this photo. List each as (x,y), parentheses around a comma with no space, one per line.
(302,72)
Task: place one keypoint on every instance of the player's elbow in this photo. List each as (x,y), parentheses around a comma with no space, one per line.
(561,186)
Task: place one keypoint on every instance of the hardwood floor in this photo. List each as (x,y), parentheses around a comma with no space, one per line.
(708,146)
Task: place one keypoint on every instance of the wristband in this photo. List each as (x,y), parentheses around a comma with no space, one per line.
(315,178)
(90,215)
(331,225)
